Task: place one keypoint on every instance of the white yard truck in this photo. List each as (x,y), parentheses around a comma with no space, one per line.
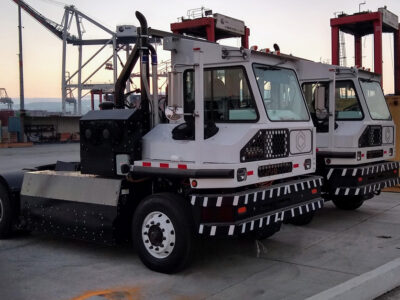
(356,136)
(236,157)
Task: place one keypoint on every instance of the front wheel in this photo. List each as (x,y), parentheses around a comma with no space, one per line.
(162,233)
(6,214)
(265,232)
(302,220)
(348,203)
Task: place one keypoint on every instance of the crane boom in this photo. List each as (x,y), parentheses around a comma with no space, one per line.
(54,27)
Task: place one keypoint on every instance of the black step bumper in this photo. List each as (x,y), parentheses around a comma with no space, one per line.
(218,214)
(361,180)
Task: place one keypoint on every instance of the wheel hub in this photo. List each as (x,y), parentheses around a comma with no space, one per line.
(155,235)
(158,234)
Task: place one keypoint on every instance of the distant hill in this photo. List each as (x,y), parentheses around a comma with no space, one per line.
(50,104)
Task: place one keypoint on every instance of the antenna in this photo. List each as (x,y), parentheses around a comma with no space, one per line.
(360,4)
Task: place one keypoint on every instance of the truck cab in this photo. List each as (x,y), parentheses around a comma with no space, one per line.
(355,131)
(235,157)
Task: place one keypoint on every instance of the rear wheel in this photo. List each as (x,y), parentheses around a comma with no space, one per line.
(348,203)
(6,213)
(162,233)
(302,220)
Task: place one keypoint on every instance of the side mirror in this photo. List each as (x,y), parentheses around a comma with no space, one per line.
(174,110)
(173,113)
(320,109)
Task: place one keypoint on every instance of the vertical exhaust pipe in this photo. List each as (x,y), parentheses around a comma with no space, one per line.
(154,79)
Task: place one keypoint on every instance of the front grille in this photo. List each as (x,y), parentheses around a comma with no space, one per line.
(266,144)
(372,136)
(275,169)
(374,153)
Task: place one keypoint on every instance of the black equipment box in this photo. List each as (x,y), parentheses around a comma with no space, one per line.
(107,133)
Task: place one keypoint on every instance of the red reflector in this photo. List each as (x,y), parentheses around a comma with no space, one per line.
(362,155)
(194,183)
(242,210)
(163,165)
(395,171)
(360,179)
(295,165)
(384,152)
(314,191)
(196,49)
(183,167)
(317,149)
(249,173)
(146,164)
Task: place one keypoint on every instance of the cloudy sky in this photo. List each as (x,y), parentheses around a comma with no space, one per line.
(299,27)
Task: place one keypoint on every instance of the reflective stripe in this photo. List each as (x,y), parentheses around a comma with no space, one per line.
(219,201)
(337,191)
(357,191)
(329,173)
(235,200)
(201,229)
(213,229)
(205,201)
(344,172)
(347,191)
(354,172)
(246,199)
(193,200)
(231,229)
(252,225)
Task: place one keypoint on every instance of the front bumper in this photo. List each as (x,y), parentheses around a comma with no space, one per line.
(264,206)
(361,180)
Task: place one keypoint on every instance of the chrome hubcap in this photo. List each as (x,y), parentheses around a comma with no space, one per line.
(158,234)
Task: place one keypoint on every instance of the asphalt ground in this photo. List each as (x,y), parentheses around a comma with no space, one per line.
(296,263)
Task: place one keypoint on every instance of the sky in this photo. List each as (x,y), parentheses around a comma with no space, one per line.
(300,28)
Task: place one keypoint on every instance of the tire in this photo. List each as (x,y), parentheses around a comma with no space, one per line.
(162,232)
(6,214)
(266,232)
(302,220)
(348,203)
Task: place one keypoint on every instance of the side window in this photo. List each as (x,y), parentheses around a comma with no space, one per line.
(227,96)
(309,90)
(347,104)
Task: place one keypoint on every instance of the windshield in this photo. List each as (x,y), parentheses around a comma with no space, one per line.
(375,100)
(281,94)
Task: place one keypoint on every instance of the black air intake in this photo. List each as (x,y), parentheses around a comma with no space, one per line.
(266,144)
(371,137)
